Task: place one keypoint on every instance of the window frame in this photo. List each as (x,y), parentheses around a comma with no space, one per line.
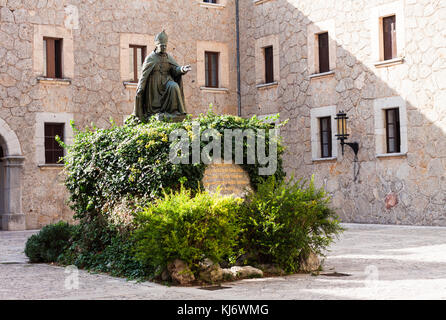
(323,54)
(321,137)
(134,52)
(53,57)
(55,150)
(315,130)
(386,42)
(269,64)
(208,69)
(396,134)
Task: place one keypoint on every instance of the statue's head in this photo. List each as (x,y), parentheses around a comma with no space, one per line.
(161,42)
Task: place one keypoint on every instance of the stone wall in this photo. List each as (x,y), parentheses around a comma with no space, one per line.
(416,178)
(96,34)
(93,91)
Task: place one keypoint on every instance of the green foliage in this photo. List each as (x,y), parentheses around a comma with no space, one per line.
(286,219)
(187,227)
(49,243)
(116,256)
(106,168)
(104,165)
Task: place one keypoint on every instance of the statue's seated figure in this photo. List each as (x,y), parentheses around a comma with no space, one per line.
(160,88)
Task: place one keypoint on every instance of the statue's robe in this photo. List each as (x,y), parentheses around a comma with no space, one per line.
(161,85)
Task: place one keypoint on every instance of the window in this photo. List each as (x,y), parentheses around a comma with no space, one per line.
(325,136)
(53,151)
(269,64)
(53,57)
(211,69)
(389,37)
(324,57)
(136,59)
(321,38)
(323,129)
(393,137)
(210,1)
(390,126)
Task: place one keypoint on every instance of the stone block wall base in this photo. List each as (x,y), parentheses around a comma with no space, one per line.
(13,222)
(230,178)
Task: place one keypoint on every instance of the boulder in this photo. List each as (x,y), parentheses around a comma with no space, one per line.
(272,269)
(179,272)
(246,272)
(227,274)
(310,263)
(165,276)
(212,274)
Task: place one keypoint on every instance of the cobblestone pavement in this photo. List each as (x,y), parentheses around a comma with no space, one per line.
(383,262)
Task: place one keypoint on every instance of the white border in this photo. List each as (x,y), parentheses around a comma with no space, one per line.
(315,114)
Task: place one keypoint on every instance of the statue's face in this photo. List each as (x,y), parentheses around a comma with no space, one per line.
(161,47)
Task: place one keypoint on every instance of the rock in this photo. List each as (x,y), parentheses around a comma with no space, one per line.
(310,263)
(206,263)
(212,274)
(227,274)
(272,269)
(246,272)
(165,276)
(180,272)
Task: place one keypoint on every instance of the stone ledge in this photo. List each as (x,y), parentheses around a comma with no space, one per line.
(388,63)
(55,81)
(391,155)
(322,75)
(256,2)
(129,84)
(50,165)
(214,90)
(211,5)
(333,159)
(267,85)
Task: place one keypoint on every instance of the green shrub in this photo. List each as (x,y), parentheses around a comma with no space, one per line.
(49,243)
(190,228)
(116,257)
(111,172)
(283,220)
(105,165)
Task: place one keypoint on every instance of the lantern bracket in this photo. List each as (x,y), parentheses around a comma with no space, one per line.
(353,145)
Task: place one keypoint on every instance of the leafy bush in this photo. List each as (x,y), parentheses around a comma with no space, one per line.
(285,219)
(105,165)
(190,228)
(116,257)
(111,172)
(49,243)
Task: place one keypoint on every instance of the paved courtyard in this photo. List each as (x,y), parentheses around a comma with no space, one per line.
(367,262)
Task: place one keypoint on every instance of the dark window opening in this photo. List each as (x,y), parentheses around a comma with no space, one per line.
(393,136)
(269,64)
(325,136)
(53,57)
(324,57)
(53,151)
(137,56)
(210,1)
(389,37)
(211,69)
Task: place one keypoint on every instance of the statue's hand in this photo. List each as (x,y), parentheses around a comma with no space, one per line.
(186,69)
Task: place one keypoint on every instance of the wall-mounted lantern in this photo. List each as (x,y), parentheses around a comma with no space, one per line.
(342,135)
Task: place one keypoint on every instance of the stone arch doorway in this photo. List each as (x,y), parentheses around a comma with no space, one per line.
(11,165)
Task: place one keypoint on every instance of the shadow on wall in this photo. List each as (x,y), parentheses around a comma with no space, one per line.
(415,180)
